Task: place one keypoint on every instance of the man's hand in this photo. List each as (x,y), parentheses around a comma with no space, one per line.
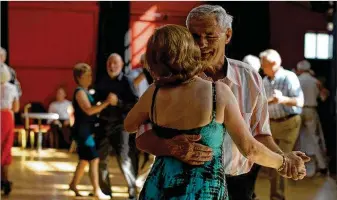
(66,123)
(295,167)
(185,148)
(277,98)
(58,123)
(112,99)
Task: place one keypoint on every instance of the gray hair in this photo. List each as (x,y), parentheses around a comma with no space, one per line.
(3,51)
(223,18)
(5,75)
(272,56)
(303,65)
(252,61)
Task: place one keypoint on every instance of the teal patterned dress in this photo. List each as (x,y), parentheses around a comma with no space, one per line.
(171,179)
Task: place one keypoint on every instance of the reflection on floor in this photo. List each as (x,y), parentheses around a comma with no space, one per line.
(315,188)
(45,176)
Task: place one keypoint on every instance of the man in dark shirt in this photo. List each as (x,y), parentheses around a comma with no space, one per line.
(111,131)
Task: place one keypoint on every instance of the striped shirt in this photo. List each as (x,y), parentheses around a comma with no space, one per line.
(247,86)
(287,82)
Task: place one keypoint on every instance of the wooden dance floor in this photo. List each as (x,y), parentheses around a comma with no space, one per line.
(46,175)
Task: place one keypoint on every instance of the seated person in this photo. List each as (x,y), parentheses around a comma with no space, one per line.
(60,128)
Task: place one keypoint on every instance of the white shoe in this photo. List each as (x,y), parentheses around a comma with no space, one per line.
(101,195)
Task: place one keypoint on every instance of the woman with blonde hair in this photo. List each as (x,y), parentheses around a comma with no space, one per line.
(85,111)
(182,103)
(9,103)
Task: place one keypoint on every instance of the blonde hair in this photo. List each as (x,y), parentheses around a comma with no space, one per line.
(5,75)
(172,56)
(79,69)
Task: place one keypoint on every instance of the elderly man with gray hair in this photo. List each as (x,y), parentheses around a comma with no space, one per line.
(252,61)
(13,78)
(285,102)
(311,139)
(211,28)
(111,133)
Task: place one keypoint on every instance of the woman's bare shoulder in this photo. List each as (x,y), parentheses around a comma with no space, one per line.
(224,93)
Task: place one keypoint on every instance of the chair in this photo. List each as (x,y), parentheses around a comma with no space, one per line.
(21,127)
(35,107)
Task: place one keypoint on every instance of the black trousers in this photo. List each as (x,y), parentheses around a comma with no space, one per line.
(61,135)
(111,136)
(242,187)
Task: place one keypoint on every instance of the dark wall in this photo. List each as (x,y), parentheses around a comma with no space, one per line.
(4,26)
(113,26)
(250,28)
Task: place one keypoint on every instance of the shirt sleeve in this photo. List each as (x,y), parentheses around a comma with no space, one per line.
(294,88)
(15,81)
(143,128)
(15,93)
(260,116)
(51,109)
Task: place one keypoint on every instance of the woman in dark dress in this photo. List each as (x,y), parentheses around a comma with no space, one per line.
(85,112)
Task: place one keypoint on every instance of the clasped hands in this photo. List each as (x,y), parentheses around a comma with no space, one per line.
(294,165)
(277,98)
(112,99)
(186,149)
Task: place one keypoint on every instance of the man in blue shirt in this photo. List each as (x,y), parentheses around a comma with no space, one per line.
(285,102)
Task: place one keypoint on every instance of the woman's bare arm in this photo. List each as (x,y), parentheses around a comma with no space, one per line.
(139,114)
(239,132)
(83,102)
(16,105)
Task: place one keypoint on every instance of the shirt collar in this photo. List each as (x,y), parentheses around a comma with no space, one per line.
(120,76)
(230,75)
(278,74)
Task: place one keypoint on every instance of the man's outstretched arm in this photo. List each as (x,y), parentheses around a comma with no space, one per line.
(182,147)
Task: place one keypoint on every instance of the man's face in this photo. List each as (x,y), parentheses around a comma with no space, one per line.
(209,36)
(2,58)
(267,66)
(60,94)
(115,66)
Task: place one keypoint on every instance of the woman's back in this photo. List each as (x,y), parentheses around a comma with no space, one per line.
(187,106)
(195,107)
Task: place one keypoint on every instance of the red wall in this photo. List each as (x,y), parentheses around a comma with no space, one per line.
(288,24)
(46,39)
(146,16)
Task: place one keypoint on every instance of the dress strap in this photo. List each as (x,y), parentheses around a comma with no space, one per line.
(153,105)
(214,101)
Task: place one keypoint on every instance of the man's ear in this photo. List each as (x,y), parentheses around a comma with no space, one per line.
(228,33)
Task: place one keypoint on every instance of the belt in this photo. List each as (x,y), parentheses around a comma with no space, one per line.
(282,119)
(309,106)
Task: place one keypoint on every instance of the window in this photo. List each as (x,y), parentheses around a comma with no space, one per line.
(318,45)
